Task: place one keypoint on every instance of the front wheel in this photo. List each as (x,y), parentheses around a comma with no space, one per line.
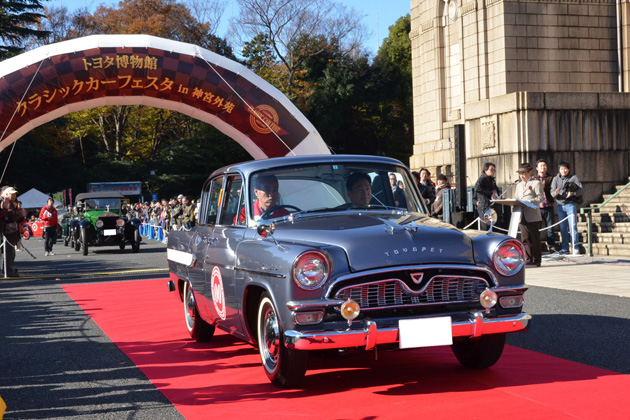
(479,353)
(284,367)
(84,245)
(135,246)
(198,329)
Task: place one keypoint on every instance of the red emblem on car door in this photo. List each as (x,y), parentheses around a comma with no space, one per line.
(218,296)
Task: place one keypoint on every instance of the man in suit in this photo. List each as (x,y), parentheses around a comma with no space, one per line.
(530,189)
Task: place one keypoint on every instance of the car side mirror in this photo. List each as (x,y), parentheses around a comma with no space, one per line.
(264,230)
(490,217)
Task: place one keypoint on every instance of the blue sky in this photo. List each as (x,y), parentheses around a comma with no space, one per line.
(380,14)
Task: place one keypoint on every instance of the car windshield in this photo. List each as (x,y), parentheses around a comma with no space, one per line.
(310,188)
(102,203)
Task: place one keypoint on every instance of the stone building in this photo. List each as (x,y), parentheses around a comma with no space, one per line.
(527,80)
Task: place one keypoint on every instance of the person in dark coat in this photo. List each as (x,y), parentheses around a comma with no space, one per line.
(485,190)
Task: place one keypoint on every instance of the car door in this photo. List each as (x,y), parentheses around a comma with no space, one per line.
(201,240)
(221,253)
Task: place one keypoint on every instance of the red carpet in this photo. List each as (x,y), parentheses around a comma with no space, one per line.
(223,379)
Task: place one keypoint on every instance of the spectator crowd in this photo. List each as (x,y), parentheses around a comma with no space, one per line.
(178,213)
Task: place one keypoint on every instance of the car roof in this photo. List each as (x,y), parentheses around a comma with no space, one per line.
(256,165)
(107,194)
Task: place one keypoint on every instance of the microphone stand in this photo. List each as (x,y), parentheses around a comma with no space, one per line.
(512,185)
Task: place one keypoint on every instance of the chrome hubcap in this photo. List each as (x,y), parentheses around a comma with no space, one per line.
(189,307)
(270,345)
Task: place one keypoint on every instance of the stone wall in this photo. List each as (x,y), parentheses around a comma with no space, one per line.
(591,131)
(486,54)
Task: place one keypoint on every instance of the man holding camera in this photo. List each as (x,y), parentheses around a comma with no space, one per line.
(567,190)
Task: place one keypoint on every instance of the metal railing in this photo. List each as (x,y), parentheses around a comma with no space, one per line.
(589,217)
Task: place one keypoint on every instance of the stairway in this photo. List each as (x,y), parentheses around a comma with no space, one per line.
(610,226)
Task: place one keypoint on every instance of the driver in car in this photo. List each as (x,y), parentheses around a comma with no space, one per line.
(359,189)
(266,192)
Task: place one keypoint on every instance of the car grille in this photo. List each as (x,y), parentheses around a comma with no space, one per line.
(394,292)
(109,222)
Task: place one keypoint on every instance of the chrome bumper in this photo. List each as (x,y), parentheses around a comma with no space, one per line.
(370,335)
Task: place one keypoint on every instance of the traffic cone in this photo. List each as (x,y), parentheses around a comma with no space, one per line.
(141,229)
(151,232)
(160,234)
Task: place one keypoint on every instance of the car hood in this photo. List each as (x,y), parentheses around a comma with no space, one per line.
(373,239)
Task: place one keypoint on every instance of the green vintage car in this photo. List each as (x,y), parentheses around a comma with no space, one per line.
(98,221)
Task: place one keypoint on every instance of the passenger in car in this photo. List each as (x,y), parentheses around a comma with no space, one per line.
(359,189)
(267,194)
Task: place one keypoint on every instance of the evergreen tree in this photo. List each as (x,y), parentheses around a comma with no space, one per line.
(18,20)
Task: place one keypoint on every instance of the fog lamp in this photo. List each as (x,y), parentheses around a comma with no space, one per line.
(350,310)
(308,318)
(512,301)
(488,299)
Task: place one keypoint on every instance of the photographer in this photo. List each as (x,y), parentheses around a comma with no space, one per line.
(567,190)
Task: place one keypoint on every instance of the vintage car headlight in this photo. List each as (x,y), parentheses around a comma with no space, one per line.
(99,223)
(120,222)
(310,270)
(509,258)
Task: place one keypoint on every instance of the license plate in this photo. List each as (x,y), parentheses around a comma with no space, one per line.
(109,232)
(425,332)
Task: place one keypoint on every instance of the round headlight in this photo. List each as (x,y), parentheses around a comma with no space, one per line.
(120,222)
(310,270)
(509,258)
(99,223)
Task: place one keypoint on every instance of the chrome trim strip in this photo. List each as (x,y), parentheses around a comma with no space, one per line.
(312,304)
(180,257)
(262,273)
(476,326)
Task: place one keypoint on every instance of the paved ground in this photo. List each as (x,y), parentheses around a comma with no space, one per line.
(607,276)
(57,364)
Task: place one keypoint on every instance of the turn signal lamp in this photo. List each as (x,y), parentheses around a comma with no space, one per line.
(308,318)
(512,301)
(350,310)
(488,299)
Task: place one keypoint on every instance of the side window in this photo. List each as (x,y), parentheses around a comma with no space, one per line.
(211,201)
(233,202)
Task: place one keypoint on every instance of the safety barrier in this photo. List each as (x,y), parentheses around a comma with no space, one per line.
(572,232)
(151,231)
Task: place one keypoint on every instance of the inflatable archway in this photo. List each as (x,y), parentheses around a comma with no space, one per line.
(48,82)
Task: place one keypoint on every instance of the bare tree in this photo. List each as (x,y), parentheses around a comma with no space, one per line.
(291,25)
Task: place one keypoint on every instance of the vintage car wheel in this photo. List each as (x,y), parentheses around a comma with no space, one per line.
(284,367)
(135,246)
(66,240)
(198,329)
(84,245)
(479,353)
(77,244)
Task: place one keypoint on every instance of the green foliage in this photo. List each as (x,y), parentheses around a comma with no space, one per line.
(17,23)
(359,106)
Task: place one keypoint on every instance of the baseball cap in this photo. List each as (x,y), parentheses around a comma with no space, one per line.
(180,196)
(9,190)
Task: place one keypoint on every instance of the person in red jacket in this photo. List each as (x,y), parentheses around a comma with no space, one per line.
(48,215)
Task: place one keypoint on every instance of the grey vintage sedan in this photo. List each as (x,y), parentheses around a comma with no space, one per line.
(307,253)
